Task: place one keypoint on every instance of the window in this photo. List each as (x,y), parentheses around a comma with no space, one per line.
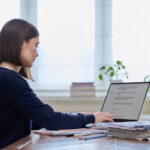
(66,51)
(78,36)
(131,41)
(9,9)
(75,39)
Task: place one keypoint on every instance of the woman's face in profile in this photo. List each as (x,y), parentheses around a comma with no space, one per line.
(29,52)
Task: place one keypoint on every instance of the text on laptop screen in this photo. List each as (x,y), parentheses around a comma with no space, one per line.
(125,101)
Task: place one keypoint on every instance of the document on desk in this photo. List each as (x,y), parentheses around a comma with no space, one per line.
(105,126)
(130,130)
(71,132)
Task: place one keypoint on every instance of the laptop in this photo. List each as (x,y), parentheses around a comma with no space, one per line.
(124,101)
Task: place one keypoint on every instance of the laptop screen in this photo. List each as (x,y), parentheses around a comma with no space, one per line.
(124,101)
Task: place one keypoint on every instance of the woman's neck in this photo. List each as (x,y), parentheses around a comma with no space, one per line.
(10,66)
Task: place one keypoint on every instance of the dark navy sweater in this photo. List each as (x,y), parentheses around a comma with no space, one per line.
(19,106)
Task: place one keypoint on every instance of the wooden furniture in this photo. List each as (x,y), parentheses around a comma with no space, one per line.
(37,142)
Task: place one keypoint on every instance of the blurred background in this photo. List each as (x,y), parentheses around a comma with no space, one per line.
(77,37)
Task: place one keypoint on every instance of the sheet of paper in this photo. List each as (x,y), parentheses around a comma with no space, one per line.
(67,132)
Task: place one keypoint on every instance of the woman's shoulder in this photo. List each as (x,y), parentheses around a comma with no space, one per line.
(9,76)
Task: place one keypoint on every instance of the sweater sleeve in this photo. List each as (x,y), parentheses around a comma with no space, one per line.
(23,99)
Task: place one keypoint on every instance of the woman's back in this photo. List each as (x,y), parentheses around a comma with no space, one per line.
(13,123)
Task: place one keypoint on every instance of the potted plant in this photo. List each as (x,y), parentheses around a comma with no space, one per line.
(115,72)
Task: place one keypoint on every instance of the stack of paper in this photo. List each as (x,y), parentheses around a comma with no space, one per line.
(98,126)
(129,131)
(105,125)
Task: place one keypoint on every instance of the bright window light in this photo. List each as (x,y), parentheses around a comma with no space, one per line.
(66,52)
(131,36)
(9,9)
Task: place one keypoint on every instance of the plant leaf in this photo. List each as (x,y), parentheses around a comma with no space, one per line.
(110,69)
(119,62)
(102,68)
(112,74)
(100,77)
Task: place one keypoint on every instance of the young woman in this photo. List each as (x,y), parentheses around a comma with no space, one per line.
(19,105)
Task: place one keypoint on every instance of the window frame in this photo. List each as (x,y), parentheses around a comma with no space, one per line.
(103,38)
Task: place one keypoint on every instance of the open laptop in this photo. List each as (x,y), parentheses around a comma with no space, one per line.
(124,101)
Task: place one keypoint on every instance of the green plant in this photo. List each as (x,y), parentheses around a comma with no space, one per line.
(117,71)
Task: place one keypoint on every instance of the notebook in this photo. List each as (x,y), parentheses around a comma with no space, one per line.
(124,101)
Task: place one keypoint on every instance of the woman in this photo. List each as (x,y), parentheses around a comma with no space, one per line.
(19,105)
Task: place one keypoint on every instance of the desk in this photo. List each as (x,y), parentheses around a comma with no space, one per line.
(70,143)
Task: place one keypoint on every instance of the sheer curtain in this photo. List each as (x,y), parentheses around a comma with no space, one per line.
(9,9)
(75,38)
(66,51)
(131,36)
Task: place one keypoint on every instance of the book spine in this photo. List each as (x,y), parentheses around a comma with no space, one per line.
(82,84)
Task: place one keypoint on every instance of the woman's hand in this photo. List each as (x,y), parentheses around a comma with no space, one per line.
(102,117)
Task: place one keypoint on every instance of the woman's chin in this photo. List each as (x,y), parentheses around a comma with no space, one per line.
(28,65)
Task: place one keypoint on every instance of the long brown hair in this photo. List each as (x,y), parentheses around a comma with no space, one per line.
(12,36)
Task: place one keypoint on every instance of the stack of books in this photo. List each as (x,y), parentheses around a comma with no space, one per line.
(139,132)
(82,89)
